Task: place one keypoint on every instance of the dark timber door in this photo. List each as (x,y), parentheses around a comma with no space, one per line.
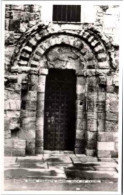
(59,120)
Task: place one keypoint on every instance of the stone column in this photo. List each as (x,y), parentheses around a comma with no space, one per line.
(91,135)
(40,111)
(80,114)
(28,111)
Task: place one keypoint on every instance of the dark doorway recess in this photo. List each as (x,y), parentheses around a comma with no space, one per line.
(59,119)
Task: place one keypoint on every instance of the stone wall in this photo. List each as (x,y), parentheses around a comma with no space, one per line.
(94,58)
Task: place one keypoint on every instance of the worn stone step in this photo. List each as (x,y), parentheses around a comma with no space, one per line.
(17,173)
(90,174)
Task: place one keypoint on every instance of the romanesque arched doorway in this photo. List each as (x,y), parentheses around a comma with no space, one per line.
(82,54)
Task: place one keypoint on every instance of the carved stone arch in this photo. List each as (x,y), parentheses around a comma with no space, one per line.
(30,41)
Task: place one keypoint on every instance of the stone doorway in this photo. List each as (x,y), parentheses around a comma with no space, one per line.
(60,110)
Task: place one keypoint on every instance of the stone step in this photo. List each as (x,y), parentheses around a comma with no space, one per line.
(21,173)
(74,173)
(82,159)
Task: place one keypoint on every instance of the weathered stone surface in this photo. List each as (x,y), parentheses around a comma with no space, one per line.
(12,104)
(101,96)
(14,123)
(30,147)
(103,65)
(92,125)
(109,146)
(100,106)
(110,89)
(6,123)
(103,154)
(81,124)
(19,143)
(91,115)
(91,140)
(80,143)
(91,96)
(101,125)
(90,152)
(101,115)
(12,114)
(7,134)
(80,134)
(112,116)
(79,150)
(91,106)
(31,105)
(39,133)
(105,137)
(111,126)
(41,96)
(26,113)
(39,150)
(80,89)
(39,143)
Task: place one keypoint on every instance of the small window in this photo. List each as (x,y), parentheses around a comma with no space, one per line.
(66,13)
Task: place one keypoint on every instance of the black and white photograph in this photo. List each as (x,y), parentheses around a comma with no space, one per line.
(61,97)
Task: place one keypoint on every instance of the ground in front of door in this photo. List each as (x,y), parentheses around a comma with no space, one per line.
(60,172)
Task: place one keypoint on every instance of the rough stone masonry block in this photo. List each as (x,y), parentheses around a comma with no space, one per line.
(30,147)
(39,150)
(111,126)
(8,147)
(41,88)
(91,115)
(81,115)
(81,105)
(32,95)
(103,154)
(12,94)
(12,114)
(91,140)
(90,152)
(103,65)
(12,104)
(101,106)
(6,123)
(92,125)
(101,125)
(81,124)
(40,96)
(101,96)
(80,134)
(43,71)
(105,137)
(91,96)
(39,133)
(81,81)
(111,102)
(80,89)
(101,115)
(91,106)
(110,89)
(79,143)
(112,116)
(108,146)
(39,143)
(31,105)
(7,134)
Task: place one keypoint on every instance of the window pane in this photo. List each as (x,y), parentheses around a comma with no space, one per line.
(66,13)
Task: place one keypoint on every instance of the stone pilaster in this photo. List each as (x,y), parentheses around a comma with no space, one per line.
(80,115)
(40,111)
